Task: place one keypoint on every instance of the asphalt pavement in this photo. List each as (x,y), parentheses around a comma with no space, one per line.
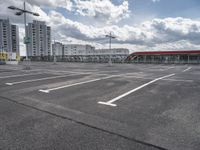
(100,107)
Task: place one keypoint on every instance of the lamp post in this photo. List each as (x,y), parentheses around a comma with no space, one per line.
(110,37)
(19,13)
(1,56)
(2,49)
(54,52)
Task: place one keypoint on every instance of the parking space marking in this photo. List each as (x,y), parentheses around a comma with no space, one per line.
(111,102)
(78,72)
(19,75)
(87,70)
(178,80)
(41,79)
(173,80)
(187,69)
(107,71)
(8,70)
(79,83)
(4,72)
(84,82)
(68,71)
(165,69)
(29,70)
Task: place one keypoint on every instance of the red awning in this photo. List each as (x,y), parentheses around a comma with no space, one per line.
(167,52)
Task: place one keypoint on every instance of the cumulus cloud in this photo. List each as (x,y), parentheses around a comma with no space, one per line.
(103,9)
(67,4)
(157,34)
(176,29)
(155,1)
(149,32)
(7,13)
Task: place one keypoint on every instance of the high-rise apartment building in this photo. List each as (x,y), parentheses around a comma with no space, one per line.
(40,39)
(9,37)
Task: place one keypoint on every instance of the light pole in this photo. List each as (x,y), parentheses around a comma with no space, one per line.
(1,56)
(54,52)
(19,13)
(4,56)
(110,37)
(2,49)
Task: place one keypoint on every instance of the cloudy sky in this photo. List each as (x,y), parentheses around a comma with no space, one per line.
(138,25)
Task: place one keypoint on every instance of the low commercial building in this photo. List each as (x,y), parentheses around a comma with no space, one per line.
(77,49)
(186,56)
(57,49)
(87,53)
(112,52)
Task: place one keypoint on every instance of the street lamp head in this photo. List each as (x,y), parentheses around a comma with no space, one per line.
(36,14)
(12,7)
(110,36)
(19,13)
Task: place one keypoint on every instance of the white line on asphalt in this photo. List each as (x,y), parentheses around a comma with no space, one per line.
(84,82)
(8,70)
(31,70)
(20,75)
(79,83)
(87,70)
(178,80)
(107,71)
(187,69)
(60,71)
(174,80)
(68,71)
(110,102)
(167,68)
(33,80)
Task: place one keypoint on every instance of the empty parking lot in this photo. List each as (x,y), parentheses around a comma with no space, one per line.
(97,106)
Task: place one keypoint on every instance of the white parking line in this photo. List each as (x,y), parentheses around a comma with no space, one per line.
(110,102)
(19,75)
(107,71)
(87,70)
(33,80)
(173,80)
(68,71)
(79,83)
(187,69)
(167,68)
(9,69)
(178,80)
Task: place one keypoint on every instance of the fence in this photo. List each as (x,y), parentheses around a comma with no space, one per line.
(82,58)
(165,59)
(3,56)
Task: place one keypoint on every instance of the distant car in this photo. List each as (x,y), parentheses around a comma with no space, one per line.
(22,58)
(2,62)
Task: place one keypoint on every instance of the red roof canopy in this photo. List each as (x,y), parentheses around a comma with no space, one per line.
(167,52)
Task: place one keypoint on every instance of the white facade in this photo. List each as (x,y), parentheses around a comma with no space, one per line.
(85,50)
(9,37)
(40,39)
(77,49)
(114,51)
(57,49)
